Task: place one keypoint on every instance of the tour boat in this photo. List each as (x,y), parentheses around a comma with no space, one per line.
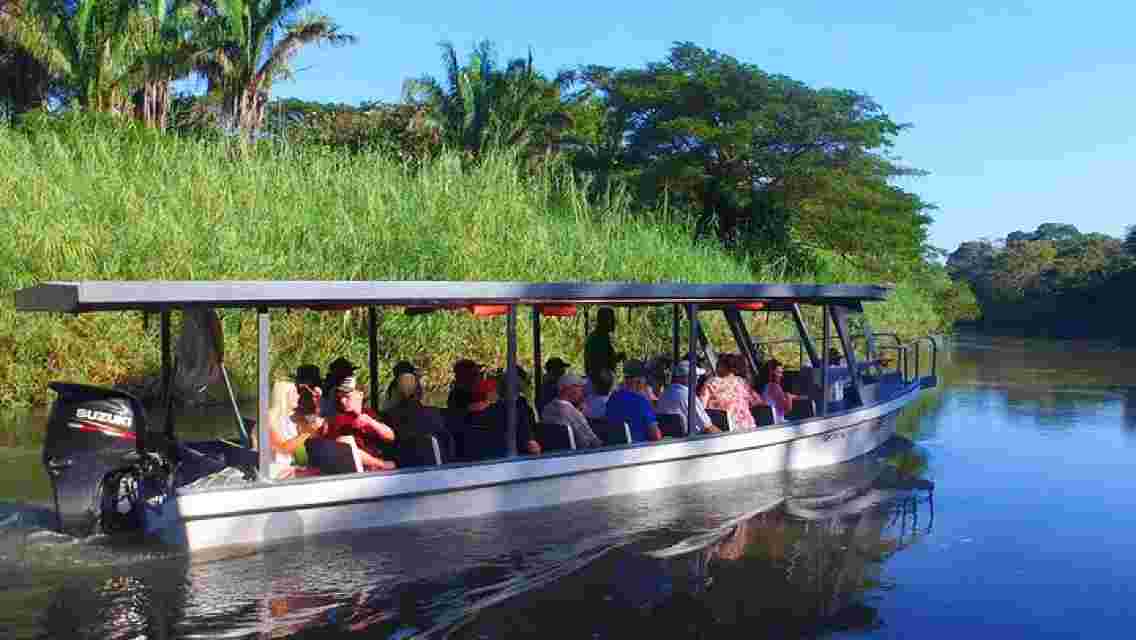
(112,470)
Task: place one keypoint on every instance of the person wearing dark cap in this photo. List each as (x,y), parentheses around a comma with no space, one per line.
(359,426)
(553,368)
(630,404)
(337,371)
(307,375)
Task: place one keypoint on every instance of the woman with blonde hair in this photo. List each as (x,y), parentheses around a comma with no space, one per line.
(293,417)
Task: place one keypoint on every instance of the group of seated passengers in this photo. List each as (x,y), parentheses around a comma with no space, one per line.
(333,407)
(308,408)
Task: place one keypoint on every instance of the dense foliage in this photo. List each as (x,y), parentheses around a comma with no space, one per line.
(784,181)
(1053,280)
(84,197)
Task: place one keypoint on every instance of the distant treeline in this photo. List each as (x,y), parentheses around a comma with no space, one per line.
(1052,281)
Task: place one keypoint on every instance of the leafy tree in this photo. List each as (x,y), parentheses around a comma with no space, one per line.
(764,160)
(255,41)
(169,39)
(1021,270)
(27,81)
(85,42)
(1130,241)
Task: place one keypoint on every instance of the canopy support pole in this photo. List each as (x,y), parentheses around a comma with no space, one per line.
(840,321)
(538,373)
(692,360)
(674,334)
(804,333)
(825,316)
(264,447)
(167,374)
(373,354)
(736,322)
(511,382)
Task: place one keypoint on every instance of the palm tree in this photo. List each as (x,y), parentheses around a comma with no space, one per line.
(257,39)
(85,42)
(168,41)
(480,106)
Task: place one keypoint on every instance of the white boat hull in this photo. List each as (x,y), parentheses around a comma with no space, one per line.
(265,513)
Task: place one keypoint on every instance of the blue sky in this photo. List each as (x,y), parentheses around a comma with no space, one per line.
(1023,113)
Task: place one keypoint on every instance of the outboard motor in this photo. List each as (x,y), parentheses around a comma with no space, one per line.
(92,458)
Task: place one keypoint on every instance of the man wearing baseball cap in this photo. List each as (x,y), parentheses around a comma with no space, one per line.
(630,404)
(675,398)
(565,409)
(357,423)
(337,371)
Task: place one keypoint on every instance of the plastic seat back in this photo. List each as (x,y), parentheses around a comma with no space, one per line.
(803,408)
(330,457)
(672,424)
(719,419)
(610,432)
(421,450)
(762,415)
(481,442)
(555,437)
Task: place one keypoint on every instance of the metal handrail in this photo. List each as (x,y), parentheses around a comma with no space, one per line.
(934,354)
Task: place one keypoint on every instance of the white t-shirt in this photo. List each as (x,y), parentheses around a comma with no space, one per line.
(288,430)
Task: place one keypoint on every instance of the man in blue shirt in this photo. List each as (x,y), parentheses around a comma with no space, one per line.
(629,404)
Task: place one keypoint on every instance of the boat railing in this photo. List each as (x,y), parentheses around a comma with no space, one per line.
(908,358)
(932,378)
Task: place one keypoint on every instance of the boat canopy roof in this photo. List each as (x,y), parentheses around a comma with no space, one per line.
(87,296)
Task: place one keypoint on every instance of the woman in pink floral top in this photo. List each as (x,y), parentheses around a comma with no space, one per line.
(730,392)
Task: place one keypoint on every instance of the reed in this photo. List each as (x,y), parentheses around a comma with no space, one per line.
(79,200)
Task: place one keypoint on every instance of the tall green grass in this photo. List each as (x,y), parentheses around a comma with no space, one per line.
(83,200)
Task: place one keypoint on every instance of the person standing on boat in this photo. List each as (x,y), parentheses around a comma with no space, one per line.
(565,409)
(630,404)
(599,353)
(769,382)
(675,399)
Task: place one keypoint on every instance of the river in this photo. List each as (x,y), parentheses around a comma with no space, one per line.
(1006,507)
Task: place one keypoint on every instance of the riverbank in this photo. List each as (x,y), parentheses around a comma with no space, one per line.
(80,202)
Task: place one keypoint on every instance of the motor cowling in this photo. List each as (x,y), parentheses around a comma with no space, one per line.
(91,445)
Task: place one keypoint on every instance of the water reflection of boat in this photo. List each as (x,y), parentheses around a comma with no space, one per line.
(799,567)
